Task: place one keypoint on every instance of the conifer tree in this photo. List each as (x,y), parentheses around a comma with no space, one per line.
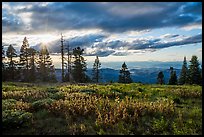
(194,71)
(45,67)
(124,76)
(24,60)
(11,54)
(183,79)
(68,76)
(173,77)
(96,70)
(160,78)
(3,65)
(79,66)
(32,71)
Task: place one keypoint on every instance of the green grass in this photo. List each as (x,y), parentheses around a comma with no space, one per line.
(88,109)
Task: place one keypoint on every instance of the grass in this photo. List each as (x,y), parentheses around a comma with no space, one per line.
(88,109)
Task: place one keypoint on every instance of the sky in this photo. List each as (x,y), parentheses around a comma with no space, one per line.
(114,31)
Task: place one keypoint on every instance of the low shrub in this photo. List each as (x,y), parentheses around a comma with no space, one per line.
(15,118)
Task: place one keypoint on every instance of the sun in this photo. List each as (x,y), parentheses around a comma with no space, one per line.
(47,38)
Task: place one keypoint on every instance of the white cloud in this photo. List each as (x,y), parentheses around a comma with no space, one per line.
(192,27)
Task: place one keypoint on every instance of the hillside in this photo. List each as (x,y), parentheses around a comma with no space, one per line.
(87,109)
(143,75)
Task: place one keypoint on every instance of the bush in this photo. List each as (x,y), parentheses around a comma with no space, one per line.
(88,91)
(177,100)
(57,96)
(140,89)
(41,104)
(52,90)
(15,118)
(8,103)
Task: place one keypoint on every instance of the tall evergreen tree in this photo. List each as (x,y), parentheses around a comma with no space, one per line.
(45,67)
(79,66)
(11,53)
(194,71)
(96,70)
(173,77)
(201,76)
(3,65)
(183,79)
(124,76)
(160,78)
(68,76)
(32,71)
(24,60)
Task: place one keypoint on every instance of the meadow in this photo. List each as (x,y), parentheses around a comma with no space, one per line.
(101,109)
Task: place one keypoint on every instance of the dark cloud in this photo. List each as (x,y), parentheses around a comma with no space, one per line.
(171,36)
(11,23)
(116,48)
(100,53)
(148,44)
(96,44)
(120,54)
(113,17)
(78,41)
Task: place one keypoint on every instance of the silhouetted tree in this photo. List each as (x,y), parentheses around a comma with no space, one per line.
(183,79)
(79,66)
(62,57)
(160,78)
(3,65)
(33,59)
(11,53)
(45,67)
(96,70)
(201,75)
(194,71)
(124,76)
(24,60)
(68,76)
(173,77)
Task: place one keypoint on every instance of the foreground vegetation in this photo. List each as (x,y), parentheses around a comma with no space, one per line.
(59,109)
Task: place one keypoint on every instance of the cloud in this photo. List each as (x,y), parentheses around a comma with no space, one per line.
(83,41)
(110,17)
(99,44)
(148,44)
(169,35)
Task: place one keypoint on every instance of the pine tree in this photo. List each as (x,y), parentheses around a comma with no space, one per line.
(194,71)
(32,71)
(24,60)
(62,56)
(183,79)
(173,77)
(124,76)
(45,67)
(3,65)
(96,70)
(201,82)
(79,66)
(68,76)
(11,53)
(160,78)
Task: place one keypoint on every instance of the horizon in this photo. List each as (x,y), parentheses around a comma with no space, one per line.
(121,33)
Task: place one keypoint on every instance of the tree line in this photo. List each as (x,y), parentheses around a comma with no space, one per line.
(35,66)
(191,74)
(28,66)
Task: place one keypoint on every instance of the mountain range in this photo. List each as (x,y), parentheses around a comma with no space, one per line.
(142,75)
